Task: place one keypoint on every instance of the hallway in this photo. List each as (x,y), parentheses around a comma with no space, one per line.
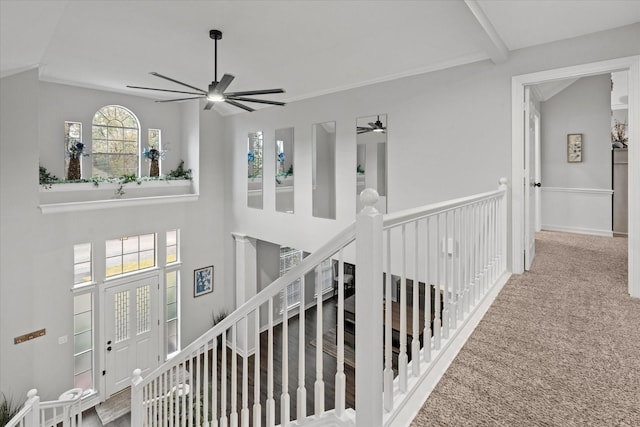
(559,346)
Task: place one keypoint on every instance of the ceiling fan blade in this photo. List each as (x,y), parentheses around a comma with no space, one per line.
(224,82)
(373,125)
(179,99)
(255,92)
(153,73)
(209,105)
(237,104)
(364,131)
(259,101)
(163,90)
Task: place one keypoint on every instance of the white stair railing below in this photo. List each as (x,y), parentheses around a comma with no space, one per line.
(65,411)
(420,275)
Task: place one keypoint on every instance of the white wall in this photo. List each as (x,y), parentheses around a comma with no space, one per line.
(36,272)
(577,196)
(449,135)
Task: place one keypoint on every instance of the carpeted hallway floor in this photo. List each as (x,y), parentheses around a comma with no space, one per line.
(560,346)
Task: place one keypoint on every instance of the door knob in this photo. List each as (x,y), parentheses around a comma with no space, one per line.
(537,184)
(109,348)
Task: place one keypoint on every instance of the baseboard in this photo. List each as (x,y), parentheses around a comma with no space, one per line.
(578,230)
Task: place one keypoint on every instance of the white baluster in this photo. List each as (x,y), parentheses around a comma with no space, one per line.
(369,348)
(233,417)
(455,266)
(402,357)
(223,381)
(388,331)
(437,320)
(340,380)
(271,403)
(301,394)
(257,408)
(319,384)
(466,233)
(205,385)
(447,271)
(415,335)
(214,380)
(195,400)
(244,415)
(172,400)
(285,410)
(427,294)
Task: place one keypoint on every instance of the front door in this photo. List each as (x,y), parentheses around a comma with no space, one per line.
(131,331)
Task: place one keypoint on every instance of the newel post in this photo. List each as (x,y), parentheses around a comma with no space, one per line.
(369,312)
(136,398)
(503,226)
(33,419)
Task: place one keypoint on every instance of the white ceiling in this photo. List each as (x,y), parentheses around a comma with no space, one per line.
(307,47)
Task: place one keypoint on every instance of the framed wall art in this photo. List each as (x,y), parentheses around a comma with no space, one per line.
(574,147)
(202,281)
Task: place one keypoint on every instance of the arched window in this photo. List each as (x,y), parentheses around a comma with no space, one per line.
(115,139)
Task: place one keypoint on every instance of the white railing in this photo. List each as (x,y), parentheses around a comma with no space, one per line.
(65,411)
(419,276)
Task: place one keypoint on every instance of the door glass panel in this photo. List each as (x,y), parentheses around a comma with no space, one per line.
(82,342)
(121,309)
(284,170)
(143,309)
(324,170)
(254,175)
(82,322)
(82,362)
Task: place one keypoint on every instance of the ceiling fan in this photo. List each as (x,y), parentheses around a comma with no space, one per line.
(376,126)
(216,91)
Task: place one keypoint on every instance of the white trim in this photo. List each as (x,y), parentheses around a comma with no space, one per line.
(54,208)
(631,63)
(496,48)
(598,191)
(88,186)
(578,230)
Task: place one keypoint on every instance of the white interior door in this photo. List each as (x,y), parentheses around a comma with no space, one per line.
(529,179)
(131,331)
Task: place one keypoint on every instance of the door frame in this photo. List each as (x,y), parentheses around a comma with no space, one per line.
(630,63)
(100,343)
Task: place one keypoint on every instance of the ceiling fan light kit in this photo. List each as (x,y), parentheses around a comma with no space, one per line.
(216,90)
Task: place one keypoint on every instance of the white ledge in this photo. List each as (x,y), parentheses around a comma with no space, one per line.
(53,208)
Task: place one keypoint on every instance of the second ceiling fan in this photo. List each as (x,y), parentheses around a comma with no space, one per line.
(216,91)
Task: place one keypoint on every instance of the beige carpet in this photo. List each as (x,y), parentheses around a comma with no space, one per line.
(116,406)
(560,346)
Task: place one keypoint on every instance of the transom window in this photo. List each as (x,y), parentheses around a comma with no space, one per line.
(132,253)
(115,138)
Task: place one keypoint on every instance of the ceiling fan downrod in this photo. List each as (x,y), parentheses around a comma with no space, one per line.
(215,35)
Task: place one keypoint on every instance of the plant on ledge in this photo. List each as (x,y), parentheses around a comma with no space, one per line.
(180,172)
(46,179)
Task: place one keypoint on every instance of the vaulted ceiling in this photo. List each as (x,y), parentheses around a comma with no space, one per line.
(307,47)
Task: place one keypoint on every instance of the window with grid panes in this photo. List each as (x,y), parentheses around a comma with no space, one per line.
(289,258)
(115,142)
(172,246)
(173,311)
(72,134)
(128,254)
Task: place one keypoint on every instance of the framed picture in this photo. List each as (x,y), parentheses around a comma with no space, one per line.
(202,281)
(574,147)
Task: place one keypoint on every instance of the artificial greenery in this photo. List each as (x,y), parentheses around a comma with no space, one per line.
(359,169)
(46,179)
(180,172)
(8,409)
(217,318)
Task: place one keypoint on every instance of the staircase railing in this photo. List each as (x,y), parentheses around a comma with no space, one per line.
(420,274)
(65,411)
